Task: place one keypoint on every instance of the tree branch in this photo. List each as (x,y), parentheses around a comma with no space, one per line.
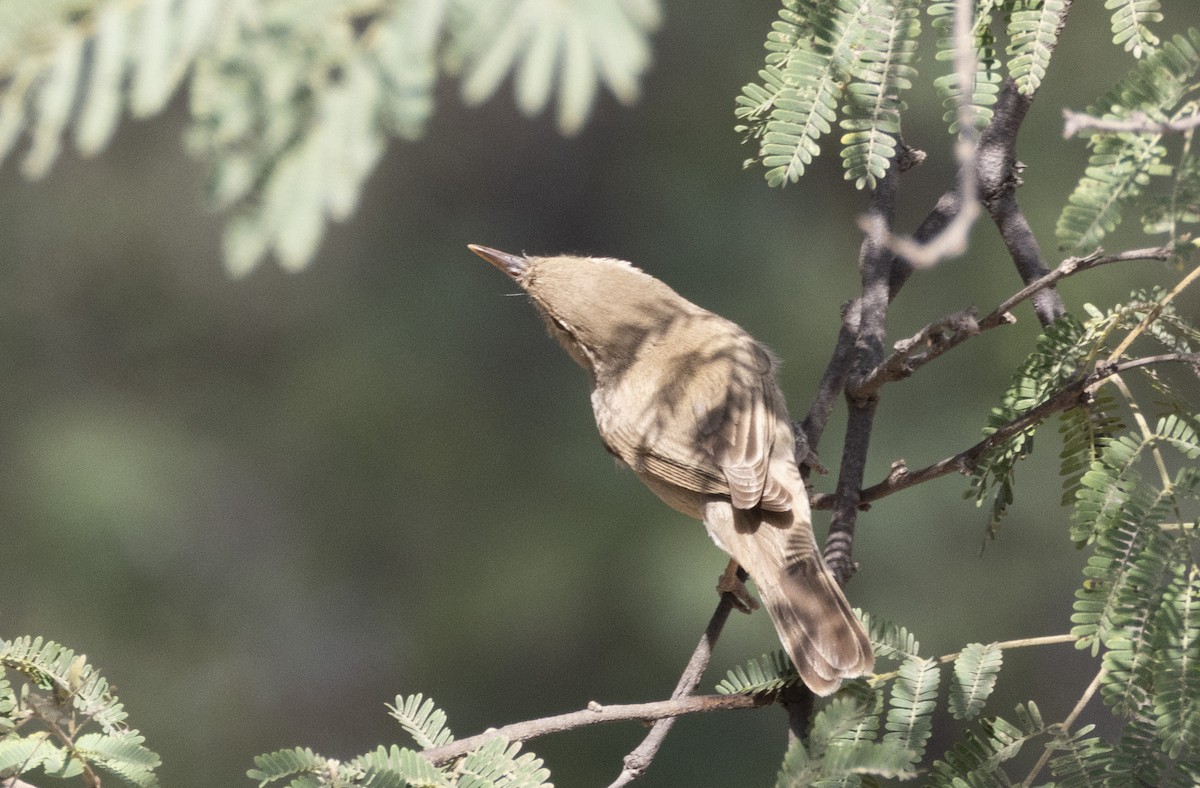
(951,239)
(1072,265)
(949,332)
(998,172)
(1137,122)
(595,714)
(875,263)
(901,478)
(637,761)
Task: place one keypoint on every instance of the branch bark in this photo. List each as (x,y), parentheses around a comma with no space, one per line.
(876,260)
(1137,122)
(595,714)
(998,172)
(637,761)
(901,478)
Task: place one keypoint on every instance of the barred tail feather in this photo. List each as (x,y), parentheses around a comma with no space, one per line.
(815,624)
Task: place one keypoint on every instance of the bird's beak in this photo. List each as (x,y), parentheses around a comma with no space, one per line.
(511,264)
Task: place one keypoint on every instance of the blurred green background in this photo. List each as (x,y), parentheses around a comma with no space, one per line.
(264,507)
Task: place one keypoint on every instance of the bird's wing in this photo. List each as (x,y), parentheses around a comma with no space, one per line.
(725,432)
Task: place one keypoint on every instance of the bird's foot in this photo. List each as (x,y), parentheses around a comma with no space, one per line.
(730,583)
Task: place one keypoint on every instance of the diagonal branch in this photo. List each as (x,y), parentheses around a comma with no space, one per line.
(595,714)
(1071,395)
(637,761)
(1072,265)
(998,172)
(949,332)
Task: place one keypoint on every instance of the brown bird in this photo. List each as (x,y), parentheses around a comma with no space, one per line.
(690,402)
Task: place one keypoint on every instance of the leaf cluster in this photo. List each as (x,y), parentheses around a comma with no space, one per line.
(1071,351)
(496,764)
(858,55)
(1162,87)
(881,728)
(292,104)
(822,55)
(1135,495)
(58,715)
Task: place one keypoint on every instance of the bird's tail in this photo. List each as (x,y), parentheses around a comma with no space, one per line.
(816,626)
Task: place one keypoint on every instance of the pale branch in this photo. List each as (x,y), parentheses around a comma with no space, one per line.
(595,714)
(901,478)
(953,237)
(637,761)
(1137,123)
(1044,640)
(1066,726)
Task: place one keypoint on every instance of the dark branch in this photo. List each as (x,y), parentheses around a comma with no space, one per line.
(901,478)
(876,261)
(949,332)
(911,354)
(998,172)
(1072,265)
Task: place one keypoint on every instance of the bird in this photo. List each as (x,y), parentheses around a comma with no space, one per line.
(691,403)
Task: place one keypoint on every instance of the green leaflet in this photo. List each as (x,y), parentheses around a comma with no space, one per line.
(853,53)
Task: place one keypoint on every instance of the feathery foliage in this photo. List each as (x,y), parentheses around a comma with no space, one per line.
(852,52)
(1129,24)
(977,759)
(1161,87)
(769,673)
(891,640)
(872,105)
(422,720)
(60,717)
(1067,351)
(292,104)
(495,764)
(984,87)
(1057,359)
(1033,33)
(973,679)
(580,43)
(911,703)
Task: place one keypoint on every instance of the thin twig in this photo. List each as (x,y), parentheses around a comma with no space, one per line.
(637,761)
(1044,640)
(1072,265)
(1143,427)
(1153,314)
(1137,122)
(1066,726)
(951,331)
(595,714)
